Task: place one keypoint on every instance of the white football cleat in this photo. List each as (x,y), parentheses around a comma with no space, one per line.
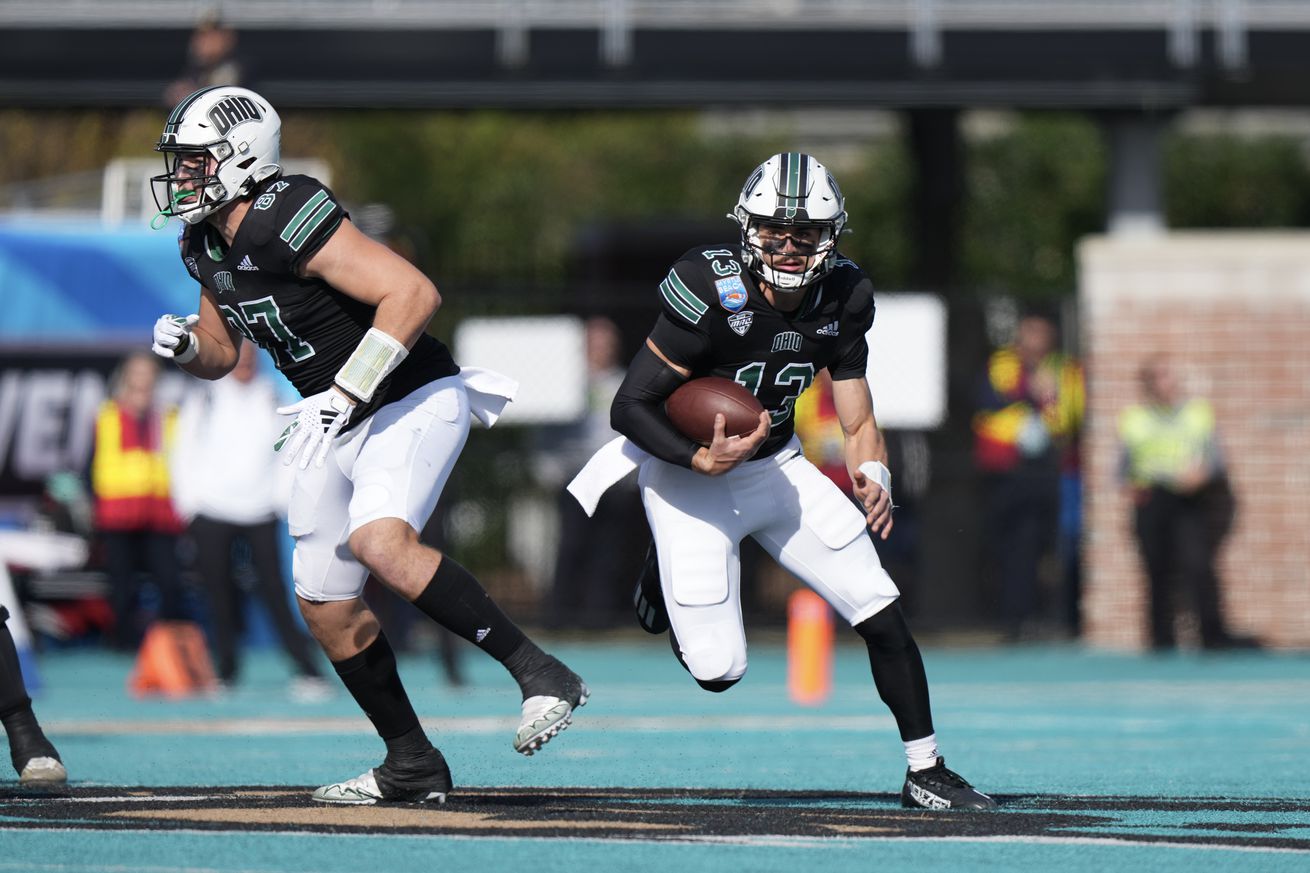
(543,718)
(425,782)
(363,789)
(43,771)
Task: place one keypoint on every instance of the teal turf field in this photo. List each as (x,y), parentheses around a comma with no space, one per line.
(1102,761)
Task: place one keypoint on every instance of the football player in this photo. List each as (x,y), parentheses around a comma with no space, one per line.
(384,416)
(33,755)
(769,313)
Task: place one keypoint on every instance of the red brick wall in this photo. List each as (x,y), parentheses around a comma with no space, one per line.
(1232,310)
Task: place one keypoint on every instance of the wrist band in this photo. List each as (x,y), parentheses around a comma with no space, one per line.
(878,472)
(188,354)
(376,356)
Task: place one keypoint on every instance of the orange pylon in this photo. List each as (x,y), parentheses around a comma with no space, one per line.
(809,648)
(173,661)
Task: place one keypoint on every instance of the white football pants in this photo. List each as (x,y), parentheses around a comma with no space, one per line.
(393,465)
(791,509)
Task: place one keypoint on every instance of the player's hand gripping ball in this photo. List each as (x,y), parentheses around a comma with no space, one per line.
(693,405)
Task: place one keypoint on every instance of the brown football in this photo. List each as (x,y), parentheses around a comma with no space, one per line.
(693,405)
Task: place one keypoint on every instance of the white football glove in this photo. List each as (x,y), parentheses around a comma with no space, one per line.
(319,418)
(173,338)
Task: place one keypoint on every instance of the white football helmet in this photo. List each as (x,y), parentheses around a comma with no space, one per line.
(218,144)
(790,189)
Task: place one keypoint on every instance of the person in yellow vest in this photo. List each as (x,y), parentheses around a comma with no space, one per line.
(1026,432)
(134,513)
(1182,506)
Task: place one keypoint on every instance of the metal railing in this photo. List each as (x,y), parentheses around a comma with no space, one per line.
(924,21)
(817,14)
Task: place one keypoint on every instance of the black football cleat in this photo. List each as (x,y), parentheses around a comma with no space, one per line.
(648,598)
(940,788)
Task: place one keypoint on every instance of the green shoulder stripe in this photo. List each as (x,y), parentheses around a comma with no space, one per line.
(303,224)
(680,298)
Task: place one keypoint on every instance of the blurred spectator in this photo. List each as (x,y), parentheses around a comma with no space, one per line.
(230,487)
(820,433)
(395,613)
(133,510)
(1182,504)
(211,60)
(593,565)
(824,445)
(1029,416)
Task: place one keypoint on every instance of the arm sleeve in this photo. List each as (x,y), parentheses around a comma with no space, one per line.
(853,359)
(638,409)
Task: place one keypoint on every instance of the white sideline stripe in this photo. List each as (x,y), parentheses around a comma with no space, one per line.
(147,798)
(474,726)
(761,840)
(828,842)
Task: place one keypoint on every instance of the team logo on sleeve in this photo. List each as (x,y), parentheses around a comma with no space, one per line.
(732,293)
(741,322)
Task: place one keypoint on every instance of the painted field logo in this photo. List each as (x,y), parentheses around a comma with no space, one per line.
(742,816)
(228,113)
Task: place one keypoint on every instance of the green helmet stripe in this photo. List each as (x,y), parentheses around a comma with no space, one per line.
(176,118)
(784,162)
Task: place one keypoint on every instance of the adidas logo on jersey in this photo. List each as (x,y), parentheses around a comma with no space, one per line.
(246,264)
(482,633)
(828,330)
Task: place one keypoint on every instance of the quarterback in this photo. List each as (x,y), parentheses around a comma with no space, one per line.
(385,413)
(769,313)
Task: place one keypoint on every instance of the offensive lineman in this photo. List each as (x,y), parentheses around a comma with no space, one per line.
(384,416)
(769,314)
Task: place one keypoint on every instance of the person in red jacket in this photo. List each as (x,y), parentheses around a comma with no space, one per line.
(133,510)
(1026,427)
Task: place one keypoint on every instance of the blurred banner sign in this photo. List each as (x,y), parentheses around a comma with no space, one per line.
(49,398)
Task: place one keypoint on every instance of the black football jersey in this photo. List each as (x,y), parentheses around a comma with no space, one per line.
(715,321)
(307,326)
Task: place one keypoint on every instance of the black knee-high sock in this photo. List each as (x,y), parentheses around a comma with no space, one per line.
(457,602)
(26,739)
(13,693)
(898,671)
(372,679)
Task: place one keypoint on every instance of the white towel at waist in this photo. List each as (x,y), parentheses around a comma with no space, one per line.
(616,459)
(488,392)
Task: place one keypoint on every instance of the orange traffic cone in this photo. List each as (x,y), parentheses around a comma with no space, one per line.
(173,661)
(809,648)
